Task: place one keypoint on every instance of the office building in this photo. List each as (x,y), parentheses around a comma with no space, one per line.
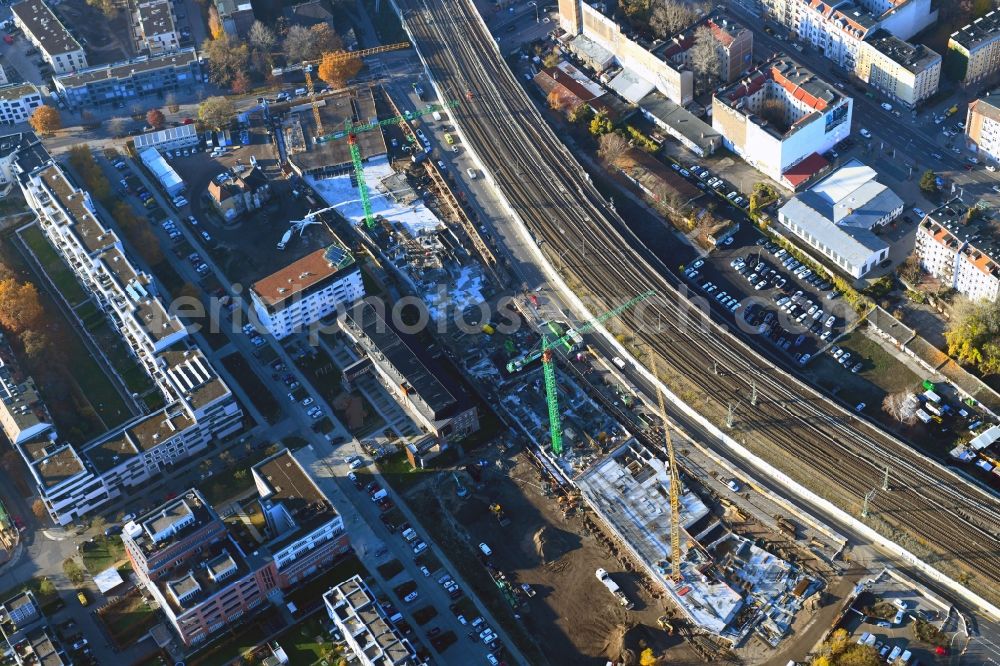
(155,28)
(132,79)
(400,364)
(780,115)
(961,251)
(366,629)
(47,33)
(205,577)
(18,102)
(974,50)
(307,290)
(905,73)
(982,125)
(838,215)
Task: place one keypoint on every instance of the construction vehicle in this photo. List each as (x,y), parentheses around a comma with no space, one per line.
(675,485)
(351,131)
(665,624)
(499,514)
(612,586)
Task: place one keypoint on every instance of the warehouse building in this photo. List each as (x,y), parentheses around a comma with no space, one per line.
(838,215)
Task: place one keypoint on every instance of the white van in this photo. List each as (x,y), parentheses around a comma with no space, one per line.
(437,116)
(619,362)
(471,173)
(380,495)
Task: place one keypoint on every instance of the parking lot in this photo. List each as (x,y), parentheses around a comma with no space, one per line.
(773,297)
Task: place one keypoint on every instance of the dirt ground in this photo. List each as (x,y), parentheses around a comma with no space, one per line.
(579,619)
(104,41)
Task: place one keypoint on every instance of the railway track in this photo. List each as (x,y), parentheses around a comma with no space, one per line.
(791,425)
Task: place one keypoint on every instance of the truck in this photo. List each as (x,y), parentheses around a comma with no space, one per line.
(931,396)
(923,416)
(932,408)
(612,586)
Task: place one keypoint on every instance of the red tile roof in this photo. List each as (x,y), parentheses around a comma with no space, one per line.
(797,92)
(804,170)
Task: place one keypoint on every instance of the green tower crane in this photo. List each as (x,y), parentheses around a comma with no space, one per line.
(545,351)
(351,132)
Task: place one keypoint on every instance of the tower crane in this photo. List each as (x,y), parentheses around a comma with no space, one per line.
(351,131)
(546,350)
(675,484)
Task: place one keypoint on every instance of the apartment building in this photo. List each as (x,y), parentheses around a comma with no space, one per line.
(18,102)
(23,415)
(205,576)
(962,252)
(404,368)
(366,629)
(904,72)
(733,44)
(838,215)
(307,290)
(902,18)
(155,28)
(974,50)
(982,124)
(246,192)
(19,149)
(779,116)
(237,17)
(131,79)
(47,33)
(76,479)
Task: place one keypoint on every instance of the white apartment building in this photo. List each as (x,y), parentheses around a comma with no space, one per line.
(905,72)
(307,290)
(902,18)
(982,125)
(814,116)
(837,215)
(74,480)
(18,102)
(963,254)
(975,49)
(47,33)
(362,621)
(155,28)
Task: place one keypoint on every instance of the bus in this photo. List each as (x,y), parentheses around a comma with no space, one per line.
(448,138)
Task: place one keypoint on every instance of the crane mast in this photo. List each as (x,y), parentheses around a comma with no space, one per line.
(675,498)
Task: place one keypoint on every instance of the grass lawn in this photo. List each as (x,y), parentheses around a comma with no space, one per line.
(102,553)
(301,646)
(54,266)
(398,471)
(128,619)
(311,591)
(227,484)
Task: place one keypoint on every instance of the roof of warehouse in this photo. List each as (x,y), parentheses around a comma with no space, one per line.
(679,119)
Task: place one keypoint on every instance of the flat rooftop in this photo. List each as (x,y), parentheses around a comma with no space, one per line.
(42,22)
(949,226)
(182,58)
(305,506)
(335,111)
(224,565)
(152,139)
(381,337)
(18,91)
(186,513)
(82,222)
(354,607)
(980,31)
(303,276)
(24,413)
(156,18)
(675,116)
(135,287)
(914,57)
(61,464)
(193,376)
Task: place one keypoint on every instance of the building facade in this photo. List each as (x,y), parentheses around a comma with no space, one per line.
(47,33)
(365,626)
(307,290)
(779,116)
(838,215)
(905,72)
(963,253)
(124,81)
(974,50)
(155,28)
(205,577)
(982,125)
(245,192)
(18,102)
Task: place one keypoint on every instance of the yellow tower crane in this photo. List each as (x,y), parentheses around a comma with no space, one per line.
(339,56)
(675,492)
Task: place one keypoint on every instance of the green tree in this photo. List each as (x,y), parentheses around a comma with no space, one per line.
(73,571)
(973,335)
(581,114)
(928,182)
(46,588)
(601,124)
(216,112)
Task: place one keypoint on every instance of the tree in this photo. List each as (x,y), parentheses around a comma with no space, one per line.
(45,120)
(20,308)
(325,40)
(36,344)
(215,23)
(647,658)
(73,571)
(928,182)
(261,37)
(300,44)
(551,60)
(669,17)
(910,270)
(338,71)
(581,114)
(611,147)
(973,335)
(704,54)
(216,112)
(155,118)
(45,587)
(118,127)
(39,510)
(225,59)
(601,124)
(560,100)
(240,84)
(108,7)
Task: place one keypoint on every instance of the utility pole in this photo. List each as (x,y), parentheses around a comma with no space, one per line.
(729,416)
(868,497)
